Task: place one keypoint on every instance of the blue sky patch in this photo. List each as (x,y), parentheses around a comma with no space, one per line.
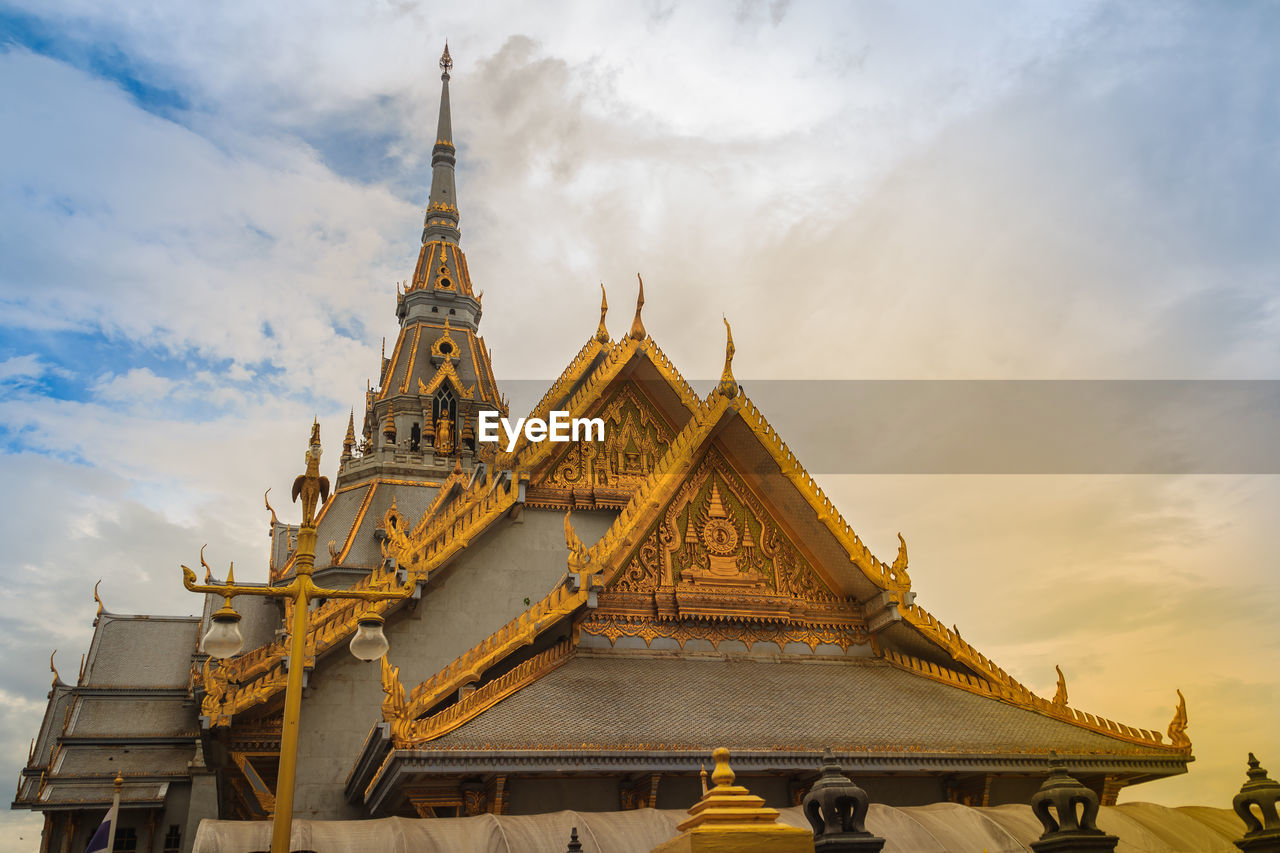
(102,58)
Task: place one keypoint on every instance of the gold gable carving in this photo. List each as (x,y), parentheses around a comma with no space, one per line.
(446,371)
(635,438)
(716,541)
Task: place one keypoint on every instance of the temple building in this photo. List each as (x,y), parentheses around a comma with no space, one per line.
(591,619)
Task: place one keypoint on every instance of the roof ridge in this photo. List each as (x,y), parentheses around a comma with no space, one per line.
(680,451)
(257,675)
(408,732)
(471,664)
(1010,691)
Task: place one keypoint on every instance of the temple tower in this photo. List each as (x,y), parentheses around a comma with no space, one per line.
(420,417)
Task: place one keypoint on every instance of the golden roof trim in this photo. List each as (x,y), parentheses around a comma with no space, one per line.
(519,632)
(407,732)
(1011,692)
(355,525)
(443,372)
(529,456)
(260,674)
(413,355)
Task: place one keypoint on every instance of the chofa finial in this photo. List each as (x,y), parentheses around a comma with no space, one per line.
(602,332)
(1178,725)
(728,385)
(637,325)
(446,62)
(1060,696)
(96,598)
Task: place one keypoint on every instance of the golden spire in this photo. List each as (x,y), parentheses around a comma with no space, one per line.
(349,443)
(389,426)
(602,333)
(637,325)
(446,61)
(728,385)
(1060,697)
(1178,725)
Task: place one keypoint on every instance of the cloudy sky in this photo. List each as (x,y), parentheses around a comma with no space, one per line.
(204,209)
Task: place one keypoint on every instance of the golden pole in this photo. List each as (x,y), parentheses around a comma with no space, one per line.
(313,490)
(283,825)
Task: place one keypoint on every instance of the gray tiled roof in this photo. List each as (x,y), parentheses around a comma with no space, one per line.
(141,651)
(106,761)
(339,515)
(68,793)
(411,501)
(615,699)
(51,726)
(149,716)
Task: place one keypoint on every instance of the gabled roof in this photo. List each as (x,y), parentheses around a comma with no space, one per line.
(622,701)
(587,380)
(872,595)
(129,713)
(259,675)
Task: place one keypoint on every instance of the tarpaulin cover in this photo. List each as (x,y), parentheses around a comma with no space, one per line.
(937,828)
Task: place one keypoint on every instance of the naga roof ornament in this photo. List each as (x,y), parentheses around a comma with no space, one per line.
(728,385)
(602,332)
(637,325)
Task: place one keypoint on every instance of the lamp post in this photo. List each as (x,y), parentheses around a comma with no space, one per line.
(223,639)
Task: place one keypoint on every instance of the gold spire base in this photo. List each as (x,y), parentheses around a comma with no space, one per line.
(731,818)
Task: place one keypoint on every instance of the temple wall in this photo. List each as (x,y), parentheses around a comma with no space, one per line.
(484,589)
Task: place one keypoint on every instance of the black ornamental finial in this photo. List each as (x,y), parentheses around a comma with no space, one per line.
(1261,836)
(836,809)
(1068,811)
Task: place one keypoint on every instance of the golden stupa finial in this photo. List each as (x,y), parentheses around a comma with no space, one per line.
(1178,725)
(349,443)
(723,774)
(231,574)
(446,62)
(96,598)
(54,669)
(602,332)
(702,772)
(637,325)
(728,385)
(1060,696)
(389,425)
(733,810)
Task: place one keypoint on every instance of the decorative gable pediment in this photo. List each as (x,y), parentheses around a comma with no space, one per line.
(717,536)
(636,437)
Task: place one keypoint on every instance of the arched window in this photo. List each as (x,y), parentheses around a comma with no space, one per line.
(444,416)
